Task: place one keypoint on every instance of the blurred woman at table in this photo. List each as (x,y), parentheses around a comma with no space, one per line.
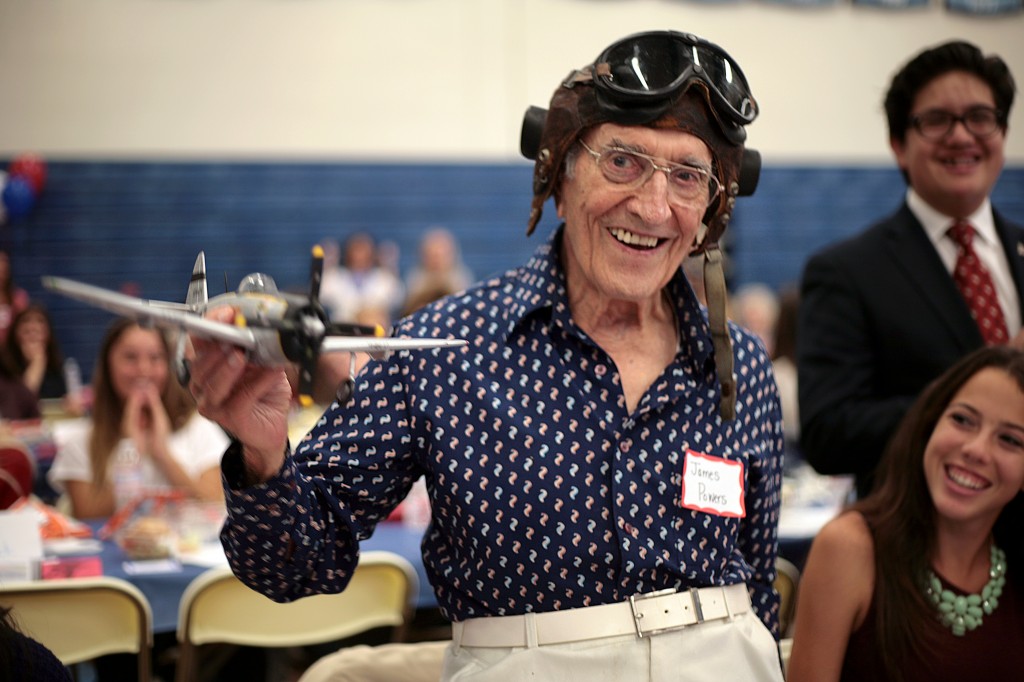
(922,580)
(144,432)
(17,402)
(12,297)
(34,354)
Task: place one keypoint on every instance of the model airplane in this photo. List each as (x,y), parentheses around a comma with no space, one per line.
(276,328)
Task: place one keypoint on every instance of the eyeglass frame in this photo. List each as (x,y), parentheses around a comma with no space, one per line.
(952,120)
(653,165)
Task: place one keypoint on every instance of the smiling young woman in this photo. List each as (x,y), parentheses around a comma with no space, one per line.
(921,580)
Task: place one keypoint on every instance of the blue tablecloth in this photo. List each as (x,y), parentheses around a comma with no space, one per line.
(163,589)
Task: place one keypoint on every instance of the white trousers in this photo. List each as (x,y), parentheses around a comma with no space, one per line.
(740,649)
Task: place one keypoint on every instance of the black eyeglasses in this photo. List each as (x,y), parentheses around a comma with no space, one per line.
(937,123)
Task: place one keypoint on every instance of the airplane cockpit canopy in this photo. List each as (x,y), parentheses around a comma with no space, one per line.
(257,283)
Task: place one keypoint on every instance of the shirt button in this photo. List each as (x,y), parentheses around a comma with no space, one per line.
(624,446)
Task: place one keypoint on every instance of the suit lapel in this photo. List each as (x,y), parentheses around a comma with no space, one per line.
(1012,238)
(915,258)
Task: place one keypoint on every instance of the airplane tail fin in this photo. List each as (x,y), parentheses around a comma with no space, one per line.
(197,295)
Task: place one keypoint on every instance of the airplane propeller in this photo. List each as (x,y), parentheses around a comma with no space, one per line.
(303,332)
(273,327)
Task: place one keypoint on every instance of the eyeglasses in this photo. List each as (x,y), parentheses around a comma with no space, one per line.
(937,123)
(688,184)
(653,66)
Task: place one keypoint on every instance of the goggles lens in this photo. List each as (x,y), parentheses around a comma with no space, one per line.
(652,66)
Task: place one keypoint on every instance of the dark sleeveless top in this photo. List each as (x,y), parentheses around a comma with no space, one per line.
(30,660)
(994,651)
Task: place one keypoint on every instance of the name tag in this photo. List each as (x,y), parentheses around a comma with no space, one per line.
(713,485)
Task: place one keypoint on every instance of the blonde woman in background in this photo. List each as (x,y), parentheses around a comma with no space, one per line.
(141,419)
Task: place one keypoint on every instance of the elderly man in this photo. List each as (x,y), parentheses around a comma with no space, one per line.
(603,468)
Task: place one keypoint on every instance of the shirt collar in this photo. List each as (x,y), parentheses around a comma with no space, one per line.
(935,223)
(541,289)
(540,283)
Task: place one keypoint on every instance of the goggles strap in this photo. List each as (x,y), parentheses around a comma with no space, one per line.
(714,286)
(587,74)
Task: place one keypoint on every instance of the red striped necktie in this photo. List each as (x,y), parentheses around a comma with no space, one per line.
(975,283)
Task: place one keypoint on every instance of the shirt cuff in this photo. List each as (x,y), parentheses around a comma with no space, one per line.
(237,477)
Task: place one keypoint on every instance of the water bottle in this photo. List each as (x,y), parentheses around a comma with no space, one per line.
(73,381)
(127,475)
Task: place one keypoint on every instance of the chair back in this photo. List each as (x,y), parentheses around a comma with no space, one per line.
(17,472)
(79,619)
(787,581)
(218,607)
(405,661)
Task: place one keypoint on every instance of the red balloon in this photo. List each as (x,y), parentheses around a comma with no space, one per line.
(30,167)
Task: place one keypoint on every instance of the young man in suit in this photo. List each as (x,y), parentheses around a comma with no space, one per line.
(882,313)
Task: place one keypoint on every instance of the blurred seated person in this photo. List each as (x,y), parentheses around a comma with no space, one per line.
(359,281)
(439,272)
(16,400)
(755,307)
(923,580)
(784,364)
(140,415)
(34,353)
(12,297)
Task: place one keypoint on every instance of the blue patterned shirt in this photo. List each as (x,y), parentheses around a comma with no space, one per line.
(547,493)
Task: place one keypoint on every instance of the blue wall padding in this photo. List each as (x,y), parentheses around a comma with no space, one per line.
(112,223)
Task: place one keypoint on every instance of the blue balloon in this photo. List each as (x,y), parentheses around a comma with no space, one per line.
(19,197)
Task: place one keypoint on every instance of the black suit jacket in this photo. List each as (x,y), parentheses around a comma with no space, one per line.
(880,318)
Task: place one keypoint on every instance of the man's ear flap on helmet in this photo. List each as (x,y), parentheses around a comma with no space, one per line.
(533,127)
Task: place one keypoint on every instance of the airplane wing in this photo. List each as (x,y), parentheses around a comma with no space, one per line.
(375,344)
(165,314)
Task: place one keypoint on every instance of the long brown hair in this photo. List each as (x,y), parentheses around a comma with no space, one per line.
(901,516)
(7,283)
(54,358)
(108,407)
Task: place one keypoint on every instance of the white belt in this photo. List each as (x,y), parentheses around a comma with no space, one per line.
(641,615)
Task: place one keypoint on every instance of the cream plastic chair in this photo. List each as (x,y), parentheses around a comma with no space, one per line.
(787,584)
(405,661)
(79,619)
(17,471)
(218,608)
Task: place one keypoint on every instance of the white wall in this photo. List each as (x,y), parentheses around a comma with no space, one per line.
(428,79)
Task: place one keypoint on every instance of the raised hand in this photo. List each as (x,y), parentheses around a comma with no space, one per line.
(251,402)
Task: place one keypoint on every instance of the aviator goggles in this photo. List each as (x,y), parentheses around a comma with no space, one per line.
(646,70)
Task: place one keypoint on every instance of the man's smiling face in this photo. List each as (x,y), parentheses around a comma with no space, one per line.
(626,244)
(955,173)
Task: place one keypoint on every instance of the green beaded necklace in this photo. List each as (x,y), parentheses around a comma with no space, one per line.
(961,613)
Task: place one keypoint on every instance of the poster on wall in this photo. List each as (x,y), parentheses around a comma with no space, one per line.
(892,4)
(985,7)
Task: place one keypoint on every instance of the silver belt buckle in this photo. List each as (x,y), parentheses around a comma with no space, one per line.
(638,616)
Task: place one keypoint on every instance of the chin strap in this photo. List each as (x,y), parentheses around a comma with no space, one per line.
(714,287)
